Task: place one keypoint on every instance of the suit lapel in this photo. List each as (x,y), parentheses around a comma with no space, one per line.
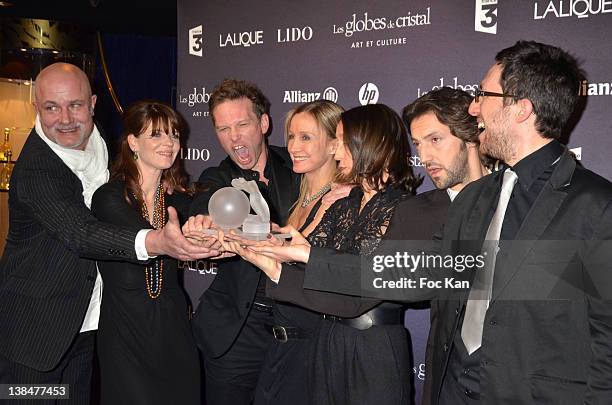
(39,148)
(538,219)
(484,206)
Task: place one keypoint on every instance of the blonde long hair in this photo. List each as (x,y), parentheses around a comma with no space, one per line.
(327,114)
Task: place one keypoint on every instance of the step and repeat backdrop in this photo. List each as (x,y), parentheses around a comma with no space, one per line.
(391,52)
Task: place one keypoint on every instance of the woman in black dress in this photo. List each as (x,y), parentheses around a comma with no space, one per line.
(361,354)
(146,351)
(311,142)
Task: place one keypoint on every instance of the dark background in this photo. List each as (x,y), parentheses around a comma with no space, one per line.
(139,39)
(155,18)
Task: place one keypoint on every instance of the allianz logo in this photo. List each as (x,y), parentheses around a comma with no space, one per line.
(594,89)
(299,96)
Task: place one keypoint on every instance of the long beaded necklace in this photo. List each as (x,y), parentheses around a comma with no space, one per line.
(316,195)
(154,274)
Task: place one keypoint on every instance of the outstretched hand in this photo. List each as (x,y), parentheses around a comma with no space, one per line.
(197,229)
(272,268)
(298,250)
(170,241)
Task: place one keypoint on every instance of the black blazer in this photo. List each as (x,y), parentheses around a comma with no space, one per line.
(547,332)
(419,218)
(224,306)
(47,271)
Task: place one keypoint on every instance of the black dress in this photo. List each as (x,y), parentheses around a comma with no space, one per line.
(145,347)
(287,365)
(351,366)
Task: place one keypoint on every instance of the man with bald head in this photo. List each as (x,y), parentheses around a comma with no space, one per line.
(64,85)
(50,288)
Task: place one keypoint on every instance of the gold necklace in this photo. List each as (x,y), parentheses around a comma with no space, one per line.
(316,195)
(154,274)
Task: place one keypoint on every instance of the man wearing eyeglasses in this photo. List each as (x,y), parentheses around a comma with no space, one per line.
(541,332)
(536,325)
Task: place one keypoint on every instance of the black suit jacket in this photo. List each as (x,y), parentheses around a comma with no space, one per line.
(224,306)
(419,218)
(548,329)
(47,272)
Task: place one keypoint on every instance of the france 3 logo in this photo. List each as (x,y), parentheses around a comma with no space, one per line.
(485,16)
(195,41)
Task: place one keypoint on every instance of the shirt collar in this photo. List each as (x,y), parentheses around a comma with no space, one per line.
(531,167)
(451,194)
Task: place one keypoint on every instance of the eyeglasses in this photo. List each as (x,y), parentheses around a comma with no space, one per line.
(477,93)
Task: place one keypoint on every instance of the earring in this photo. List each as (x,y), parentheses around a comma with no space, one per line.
(135,155)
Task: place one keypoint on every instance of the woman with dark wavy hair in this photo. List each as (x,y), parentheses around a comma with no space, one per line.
(146,351)
(361,354)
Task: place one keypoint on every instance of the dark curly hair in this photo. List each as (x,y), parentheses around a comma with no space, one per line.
(450,107)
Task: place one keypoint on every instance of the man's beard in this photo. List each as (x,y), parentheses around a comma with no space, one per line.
(497,142)
(457,172)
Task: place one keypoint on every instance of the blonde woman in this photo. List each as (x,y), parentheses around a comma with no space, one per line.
(311,142)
